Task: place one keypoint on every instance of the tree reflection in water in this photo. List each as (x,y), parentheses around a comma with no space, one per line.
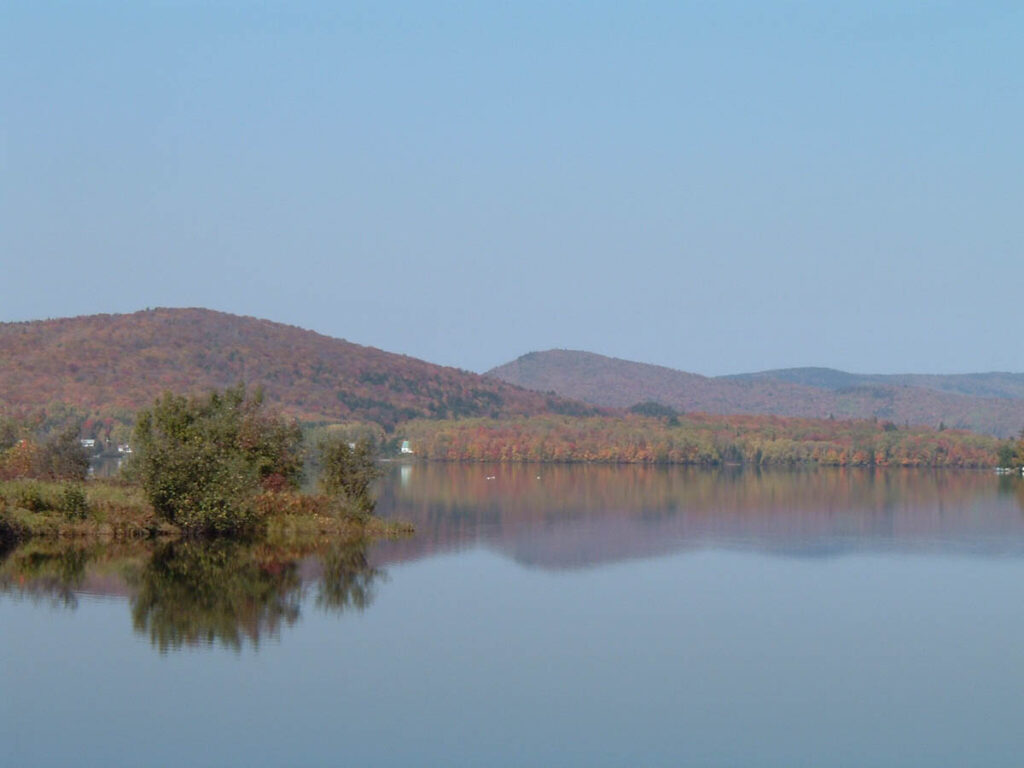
(44,572)
(204,592)
(196,593)
(347,580)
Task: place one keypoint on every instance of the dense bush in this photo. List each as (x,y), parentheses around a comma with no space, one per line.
(28,495)
(201,461)
(347,471)
(1011,452)
(73,502)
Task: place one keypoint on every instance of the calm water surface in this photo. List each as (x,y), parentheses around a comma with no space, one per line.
(555,616)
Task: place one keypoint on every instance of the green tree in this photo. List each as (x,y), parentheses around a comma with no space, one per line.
(202,460)
(1009,454)
(348,470)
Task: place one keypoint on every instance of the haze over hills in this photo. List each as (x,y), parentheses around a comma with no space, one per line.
(989,403)
(125,361)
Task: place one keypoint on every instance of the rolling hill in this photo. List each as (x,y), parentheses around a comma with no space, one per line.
(114,364)
(987,403)
(994,384)
(105,362)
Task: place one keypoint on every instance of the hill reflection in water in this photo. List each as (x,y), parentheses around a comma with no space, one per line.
(238,594)
(568,516)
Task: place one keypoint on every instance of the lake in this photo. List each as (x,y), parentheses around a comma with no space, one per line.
(545,615)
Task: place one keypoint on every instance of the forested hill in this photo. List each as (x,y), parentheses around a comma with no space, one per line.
(104,362)
(806,392)
(994,384)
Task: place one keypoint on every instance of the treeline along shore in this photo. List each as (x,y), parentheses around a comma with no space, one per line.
(226,464)
(709,440)
(94,378)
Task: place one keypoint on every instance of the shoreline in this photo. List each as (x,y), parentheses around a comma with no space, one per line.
(110,510)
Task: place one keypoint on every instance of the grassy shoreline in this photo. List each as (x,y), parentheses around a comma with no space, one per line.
(118,511)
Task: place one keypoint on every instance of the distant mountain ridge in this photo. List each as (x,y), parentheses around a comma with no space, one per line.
(125,361)
(121,362)
(994,384)
(991,403)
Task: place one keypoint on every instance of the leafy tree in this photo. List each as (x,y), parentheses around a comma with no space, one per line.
(1011,453)
(62,457)
(348,470)
(201,461)
(73,502)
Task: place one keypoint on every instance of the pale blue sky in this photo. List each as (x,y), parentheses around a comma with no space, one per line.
(713,186)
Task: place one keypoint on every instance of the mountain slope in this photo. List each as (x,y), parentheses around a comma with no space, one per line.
(816,392)
(620,383)
(106,361)
(994,384)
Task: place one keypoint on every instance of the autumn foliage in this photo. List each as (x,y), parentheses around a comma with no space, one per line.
(701,439)
(107,366)
(56,457)
(991,403)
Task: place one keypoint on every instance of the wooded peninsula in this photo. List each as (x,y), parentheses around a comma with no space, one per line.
(216,465)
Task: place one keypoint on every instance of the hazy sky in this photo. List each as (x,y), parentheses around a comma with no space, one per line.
(714,186)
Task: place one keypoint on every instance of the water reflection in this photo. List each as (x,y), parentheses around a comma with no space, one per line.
(195,593)
(787,649)
(237,594)
(566,516)
(347,579)
(54,575)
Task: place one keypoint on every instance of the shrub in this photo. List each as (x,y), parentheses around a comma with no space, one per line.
(1011,454)
(19,460)
(347,471)
(73,502)
(29,496)
(201,461)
